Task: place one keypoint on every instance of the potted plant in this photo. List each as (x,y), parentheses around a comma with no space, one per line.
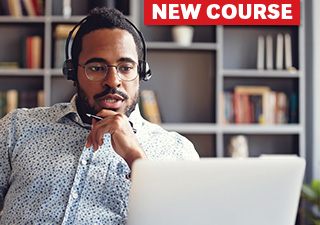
(311,194)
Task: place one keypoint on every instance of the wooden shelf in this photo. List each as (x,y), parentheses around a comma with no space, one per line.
(191,128)
(22,72)
(23,19)
(208,128)
(174,46)
(261,73)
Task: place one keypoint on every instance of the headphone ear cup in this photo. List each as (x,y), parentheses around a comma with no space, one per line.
(68,70)
(144,71)
(147,72)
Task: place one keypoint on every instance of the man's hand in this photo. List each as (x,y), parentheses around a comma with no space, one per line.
(123,139)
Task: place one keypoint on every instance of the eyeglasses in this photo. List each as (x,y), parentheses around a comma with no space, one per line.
(97,71)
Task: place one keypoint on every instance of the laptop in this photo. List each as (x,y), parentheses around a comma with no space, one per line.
(216,191)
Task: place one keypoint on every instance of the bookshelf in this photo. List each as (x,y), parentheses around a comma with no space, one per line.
(188,80)
(220,58)
(47,78)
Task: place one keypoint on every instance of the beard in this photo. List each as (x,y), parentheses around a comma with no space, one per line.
(83,100)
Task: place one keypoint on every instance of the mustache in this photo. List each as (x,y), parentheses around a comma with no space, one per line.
(110,90)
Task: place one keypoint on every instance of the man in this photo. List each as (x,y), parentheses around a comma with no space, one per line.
(60,166)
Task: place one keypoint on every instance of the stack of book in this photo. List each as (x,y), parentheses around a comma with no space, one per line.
(31,56)
(258,104)
(13,99)
(18,8)
(283,56)
(32,52)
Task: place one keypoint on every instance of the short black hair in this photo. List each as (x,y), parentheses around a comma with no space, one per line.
(100,18)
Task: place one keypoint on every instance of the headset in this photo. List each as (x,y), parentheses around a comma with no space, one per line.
(143,68)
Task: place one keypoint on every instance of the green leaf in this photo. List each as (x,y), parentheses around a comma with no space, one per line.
(308,192)
(315,185)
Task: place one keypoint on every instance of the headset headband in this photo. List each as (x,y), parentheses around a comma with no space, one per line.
(68,69)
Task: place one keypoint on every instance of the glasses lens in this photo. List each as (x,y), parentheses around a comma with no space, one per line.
(127,71)
(96,71)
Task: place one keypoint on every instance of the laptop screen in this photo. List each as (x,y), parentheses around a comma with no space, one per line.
(222,191)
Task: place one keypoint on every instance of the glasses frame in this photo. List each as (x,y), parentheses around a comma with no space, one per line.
(107,71)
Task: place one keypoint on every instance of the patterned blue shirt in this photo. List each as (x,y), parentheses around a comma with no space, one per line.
(48,176)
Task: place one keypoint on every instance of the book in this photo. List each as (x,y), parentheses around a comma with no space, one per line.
(11,100)
(288,52)
(293,107)
(258,109)
(149,106)
(280,49)
(260,53)
(243,108)
(246,114)
(273,108)
(9,65)
(36,52)
(263,91)
(282,106)
(258,104)
(269,52)
(237,108)
(23,8)
(37,7)
(15,8)
(28,52)
(227,105)
(31,11)
(33,52)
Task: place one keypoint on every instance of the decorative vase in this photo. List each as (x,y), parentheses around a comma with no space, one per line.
(183,35)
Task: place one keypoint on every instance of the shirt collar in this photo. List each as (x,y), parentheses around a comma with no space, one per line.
(70,110)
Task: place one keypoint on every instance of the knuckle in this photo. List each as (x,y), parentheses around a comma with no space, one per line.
(118,119)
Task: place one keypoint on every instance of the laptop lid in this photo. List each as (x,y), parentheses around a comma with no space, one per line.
(221,191)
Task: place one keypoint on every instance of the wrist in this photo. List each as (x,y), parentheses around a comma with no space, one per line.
(134,155)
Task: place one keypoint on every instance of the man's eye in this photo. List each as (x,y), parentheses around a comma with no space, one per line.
(125,69)
(96,68)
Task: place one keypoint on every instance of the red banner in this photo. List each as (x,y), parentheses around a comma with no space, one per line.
(222,12)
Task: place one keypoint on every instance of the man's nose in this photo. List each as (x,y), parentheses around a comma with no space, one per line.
(112,79)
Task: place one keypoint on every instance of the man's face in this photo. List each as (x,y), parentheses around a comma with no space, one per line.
(110,47)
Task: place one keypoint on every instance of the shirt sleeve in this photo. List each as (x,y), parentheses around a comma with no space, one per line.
(190,152)
(185,148)
(6,143)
